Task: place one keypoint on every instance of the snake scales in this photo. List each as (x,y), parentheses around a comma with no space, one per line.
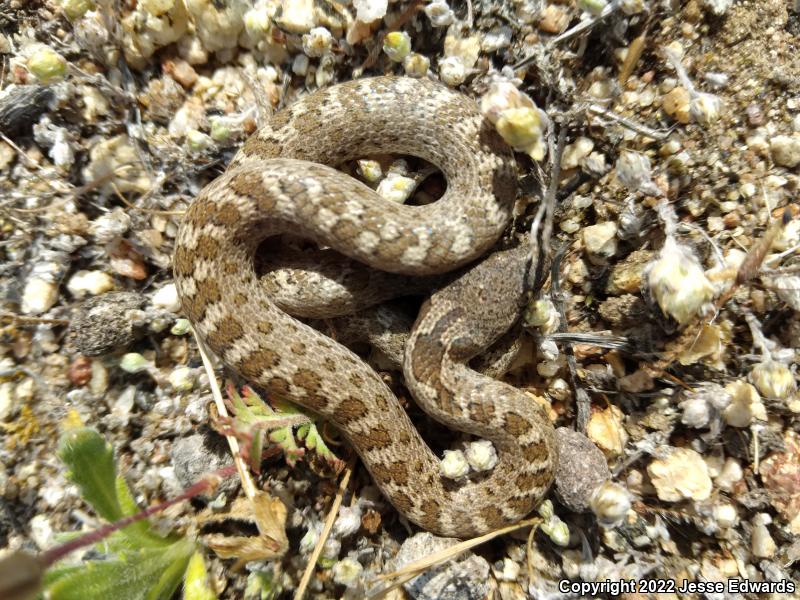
(283,181)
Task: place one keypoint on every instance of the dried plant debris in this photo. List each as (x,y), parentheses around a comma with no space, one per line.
(663,339)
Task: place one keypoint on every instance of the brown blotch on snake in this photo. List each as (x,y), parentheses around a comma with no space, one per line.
(257,362)
(351,409)
(283,181)
(223,337)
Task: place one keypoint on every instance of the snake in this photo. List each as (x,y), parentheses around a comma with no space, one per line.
(283,184)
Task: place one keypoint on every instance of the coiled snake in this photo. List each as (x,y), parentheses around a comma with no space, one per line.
(283,181)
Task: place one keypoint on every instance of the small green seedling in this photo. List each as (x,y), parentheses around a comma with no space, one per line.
(256,422)
(135,562)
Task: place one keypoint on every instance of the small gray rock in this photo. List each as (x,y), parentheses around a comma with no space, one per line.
(581,468)
(21,106)
(104,323)
(197,455)
(465,578)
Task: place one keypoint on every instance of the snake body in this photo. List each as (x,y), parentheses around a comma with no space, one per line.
(283,181)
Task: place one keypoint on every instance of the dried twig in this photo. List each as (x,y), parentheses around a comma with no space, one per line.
(582,401)
(248,485)
(22,320)
(540,251)
(326,530)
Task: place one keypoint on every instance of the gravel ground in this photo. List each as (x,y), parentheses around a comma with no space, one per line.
(668,335)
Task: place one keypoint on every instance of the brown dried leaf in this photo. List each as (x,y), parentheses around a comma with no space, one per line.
(266,512)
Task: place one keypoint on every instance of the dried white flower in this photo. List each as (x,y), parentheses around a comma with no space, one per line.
(452,71)
(347,572)
(454,465)
(633,171)
(317,42)
(416,65)
(481,455)
(440,14)
(611,503)
(745,405)
(678,283)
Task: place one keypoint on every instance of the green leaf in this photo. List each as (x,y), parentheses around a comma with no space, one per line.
(314,442)
(91,466)
(263,585)
(195,584)
(140,533)
(172,576)
(149,574)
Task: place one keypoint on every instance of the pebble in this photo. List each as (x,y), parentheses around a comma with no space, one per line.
(780,475)
(553,19)
(717,7)
(676,104)
(466,577)
(166,298)
(150,27)
(219,24)
(575,152)
(39,296)
(785,150)
(681,475)
(42,532)
(106,160)
(626,275)
(605,429)
(181,71)
(729,475)
(761,543)
(7,405)
(581,469)
(600,240)
(90,283)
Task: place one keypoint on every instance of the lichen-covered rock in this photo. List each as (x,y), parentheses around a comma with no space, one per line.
(104,323)
(197,455)
(464,578)
(582,467)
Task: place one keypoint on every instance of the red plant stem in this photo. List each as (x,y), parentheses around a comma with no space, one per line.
(53,555)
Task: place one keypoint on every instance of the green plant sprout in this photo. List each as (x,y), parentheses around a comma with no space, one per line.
(256,422)
(136,562)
